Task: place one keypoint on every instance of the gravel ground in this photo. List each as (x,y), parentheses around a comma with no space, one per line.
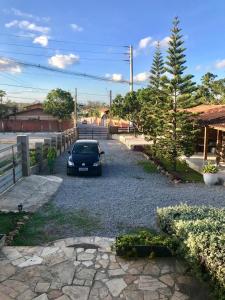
(126,197)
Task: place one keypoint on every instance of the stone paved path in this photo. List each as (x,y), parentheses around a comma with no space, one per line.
(86,269)
(32,192)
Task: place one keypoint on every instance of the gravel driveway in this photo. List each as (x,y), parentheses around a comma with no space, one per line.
(126,196)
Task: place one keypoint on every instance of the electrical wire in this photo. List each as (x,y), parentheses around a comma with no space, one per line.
(48,56)
(79,74)
(61,49)
(41,89)
(70,42)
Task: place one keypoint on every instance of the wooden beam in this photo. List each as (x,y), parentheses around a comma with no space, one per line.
(206,143)
(218,146)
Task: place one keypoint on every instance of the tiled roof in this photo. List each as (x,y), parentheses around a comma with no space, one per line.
(209,114)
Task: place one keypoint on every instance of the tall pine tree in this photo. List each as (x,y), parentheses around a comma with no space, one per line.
(153,100)
(179,131)
(157,69)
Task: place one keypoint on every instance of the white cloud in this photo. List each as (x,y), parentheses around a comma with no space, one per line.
(42,40)
(76,27)
(148,42)
(145,42)
(7,65)
(141,77)
(164,42)
(114,76)
(11,24)
(220,64)
(19,13)
(62,61)
(26,25)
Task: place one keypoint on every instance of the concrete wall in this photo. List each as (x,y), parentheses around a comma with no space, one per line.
(34,125)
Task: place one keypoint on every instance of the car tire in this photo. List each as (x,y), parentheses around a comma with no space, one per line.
(68,172)
(99,172)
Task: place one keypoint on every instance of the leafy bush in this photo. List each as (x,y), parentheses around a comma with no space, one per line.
(51,157)
(33,158)
(183,171)
(201,233)
(210,168)
(126,243)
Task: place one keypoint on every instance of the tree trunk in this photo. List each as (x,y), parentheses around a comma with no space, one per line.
(174,122)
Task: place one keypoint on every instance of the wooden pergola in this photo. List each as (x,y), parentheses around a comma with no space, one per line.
(211,117)
(220,129)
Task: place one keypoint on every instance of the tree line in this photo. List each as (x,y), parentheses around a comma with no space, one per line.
(158,111)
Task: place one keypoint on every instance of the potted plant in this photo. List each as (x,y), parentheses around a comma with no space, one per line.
(143,244)
(210,175)
(51,157)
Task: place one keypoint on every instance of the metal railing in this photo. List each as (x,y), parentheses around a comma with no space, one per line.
(10,166)
(93,133)
(125,129)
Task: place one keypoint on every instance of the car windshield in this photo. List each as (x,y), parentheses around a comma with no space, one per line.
(86,148)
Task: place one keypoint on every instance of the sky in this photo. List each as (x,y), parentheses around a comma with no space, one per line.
(92,37)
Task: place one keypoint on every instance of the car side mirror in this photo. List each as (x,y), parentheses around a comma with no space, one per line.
(69,152)
(102,152)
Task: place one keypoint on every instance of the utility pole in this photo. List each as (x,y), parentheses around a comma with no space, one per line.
(110,104)
(75,107)
(110,98)
(131,68)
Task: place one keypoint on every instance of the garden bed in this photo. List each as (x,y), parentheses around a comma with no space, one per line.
(183,172)
(201,235)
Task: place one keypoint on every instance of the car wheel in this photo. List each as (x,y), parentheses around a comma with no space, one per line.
(99,172)
(68,172)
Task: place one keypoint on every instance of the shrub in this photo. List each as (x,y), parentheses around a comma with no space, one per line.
(183,171)
(125,244)
(201,233)
(33,158)
(51,157)
(210,168)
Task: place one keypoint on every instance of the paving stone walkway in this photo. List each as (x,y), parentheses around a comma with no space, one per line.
(32,192)
(87,269)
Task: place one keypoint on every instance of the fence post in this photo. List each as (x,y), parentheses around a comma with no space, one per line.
(47,145)
(59,142)
(39,155)
(64,141)
(70,137)
(54,142)
(23,148)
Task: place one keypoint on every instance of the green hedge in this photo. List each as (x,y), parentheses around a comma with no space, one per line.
(201,233)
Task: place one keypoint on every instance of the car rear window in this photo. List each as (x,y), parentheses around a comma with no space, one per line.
(86,148)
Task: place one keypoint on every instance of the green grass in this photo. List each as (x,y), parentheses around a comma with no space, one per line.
(148,166)
(51,223)
(8,221)
(183,170)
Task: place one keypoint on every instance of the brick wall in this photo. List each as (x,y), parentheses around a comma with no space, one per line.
(34,125)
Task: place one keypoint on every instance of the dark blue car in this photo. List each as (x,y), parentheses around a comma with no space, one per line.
(85,158)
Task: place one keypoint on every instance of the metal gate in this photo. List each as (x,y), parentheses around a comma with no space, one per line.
(10,166)
(93,132)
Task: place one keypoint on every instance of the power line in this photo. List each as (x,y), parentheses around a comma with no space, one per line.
(61,49)
(79,74)
(30,87)
(48,56)
(9,76)
(25,87)
(70,42)
(34,98)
